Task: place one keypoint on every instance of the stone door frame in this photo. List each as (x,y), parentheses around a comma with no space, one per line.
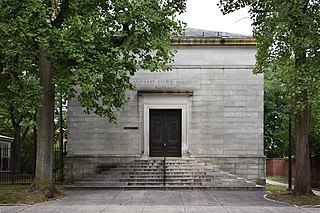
(165,101)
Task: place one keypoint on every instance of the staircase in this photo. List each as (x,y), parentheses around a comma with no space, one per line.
(179,174)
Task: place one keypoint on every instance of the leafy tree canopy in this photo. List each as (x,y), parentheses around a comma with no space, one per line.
(276,113)
(288,42)
(314,135)
(276,120)
(96,45)
(287,34)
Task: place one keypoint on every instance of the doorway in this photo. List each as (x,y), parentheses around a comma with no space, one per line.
(165,132)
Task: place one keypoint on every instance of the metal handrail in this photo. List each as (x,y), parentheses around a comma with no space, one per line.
(164,163)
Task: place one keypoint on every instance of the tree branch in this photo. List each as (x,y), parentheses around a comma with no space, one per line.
(24,134)
(1,65)
(57,22)
(12,116)
(120,41)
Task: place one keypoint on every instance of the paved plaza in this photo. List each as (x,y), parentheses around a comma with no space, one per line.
(167,201)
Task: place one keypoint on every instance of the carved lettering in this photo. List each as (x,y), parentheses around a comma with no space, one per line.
(165,82)
(166,87)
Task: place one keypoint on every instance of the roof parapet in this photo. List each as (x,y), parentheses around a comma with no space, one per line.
(187,41)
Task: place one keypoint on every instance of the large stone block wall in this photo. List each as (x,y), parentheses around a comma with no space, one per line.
(93,135)
(251,168)
(224,114)
(80,167)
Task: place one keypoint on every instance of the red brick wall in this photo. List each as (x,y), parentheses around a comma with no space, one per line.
(280,167)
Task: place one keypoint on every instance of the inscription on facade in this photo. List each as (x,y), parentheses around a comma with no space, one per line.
(164,84)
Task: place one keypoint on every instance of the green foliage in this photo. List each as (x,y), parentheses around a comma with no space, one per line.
(5,125)
(288,43)
(314,132)
(106,42)
(276,188)
(57,170)
(25,165)
(279,179)
(95,45)
(276,116)
(19,87)
(19,96)
(89,48)
(287,36)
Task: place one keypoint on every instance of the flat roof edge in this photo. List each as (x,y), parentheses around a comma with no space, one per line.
(213,41)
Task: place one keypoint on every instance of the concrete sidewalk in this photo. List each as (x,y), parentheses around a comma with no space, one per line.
(167,201)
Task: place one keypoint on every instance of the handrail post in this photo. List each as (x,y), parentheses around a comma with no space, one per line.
(164,163)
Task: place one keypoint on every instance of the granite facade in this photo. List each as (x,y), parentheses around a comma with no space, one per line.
(222,114)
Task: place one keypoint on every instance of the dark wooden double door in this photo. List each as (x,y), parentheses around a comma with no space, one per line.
(165,132)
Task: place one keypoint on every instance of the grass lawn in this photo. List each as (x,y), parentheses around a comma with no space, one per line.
(17,194)
(280,193)
(279,179)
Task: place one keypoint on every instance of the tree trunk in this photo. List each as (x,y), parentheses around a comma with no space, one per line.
(22,139)
(302,184)
(13,149)
(43,177)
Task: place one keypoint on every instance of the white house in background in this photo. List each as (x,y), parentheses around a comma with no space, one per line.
(208,108)
(5,145)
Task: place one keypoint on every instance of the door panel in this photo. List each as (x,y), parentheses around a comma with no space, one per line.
(165,127)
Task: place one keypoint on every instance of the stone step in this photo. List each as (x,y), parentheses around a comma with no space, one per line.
(157,170)
(162,162)
(186,179)
(137,183)
(161,169)
(224,182)
(149,178)
(215,175)
(167,161)
(168,173)
(179,174)
(164,187)
(161,166)
(155,183)
(183,176)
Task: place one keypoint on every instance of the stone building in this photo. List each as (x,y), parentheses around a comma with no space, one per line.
(208,108)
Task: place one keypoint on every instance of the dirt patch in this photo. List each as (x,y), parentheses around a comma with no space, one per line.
(18,194)
(299,200)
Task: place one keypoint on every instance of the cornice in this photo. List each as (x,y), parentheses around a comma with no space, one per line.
(184,41)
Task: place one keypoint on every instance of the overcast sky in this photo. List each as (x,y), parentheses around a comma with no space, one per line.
(206,15)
